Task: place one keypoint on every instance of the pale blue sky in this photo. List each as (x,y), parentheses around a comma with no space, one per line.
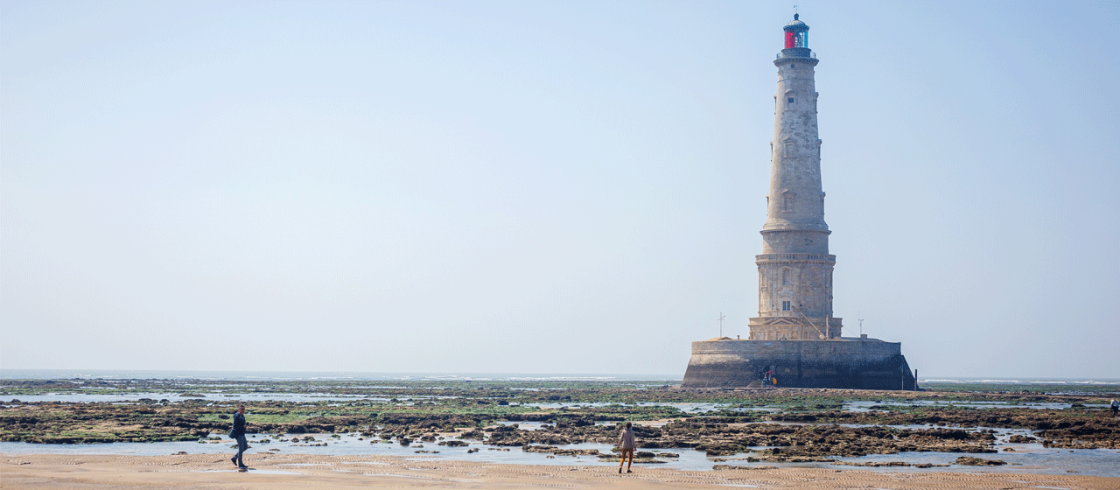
(563,186)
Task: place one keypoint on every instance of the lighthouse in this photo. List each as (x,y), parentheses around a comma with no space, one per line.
(795,268)
(795,336)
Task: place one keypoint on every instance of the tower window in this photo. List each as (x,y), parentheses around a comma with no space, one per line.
(785,305)
(791,100)
(785,277)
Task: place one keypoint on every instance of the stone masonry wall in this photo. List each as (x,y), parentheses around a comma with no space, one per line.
(849,363)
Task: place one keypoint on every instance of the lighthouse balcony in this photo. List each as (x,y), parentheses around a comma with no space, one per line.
(797,53)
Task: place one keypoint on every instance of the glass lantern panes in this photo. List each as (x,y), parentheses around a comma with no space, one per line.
(801,39)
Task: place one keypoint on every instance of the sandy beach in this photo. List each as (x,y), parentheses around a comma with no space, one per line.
(295,471)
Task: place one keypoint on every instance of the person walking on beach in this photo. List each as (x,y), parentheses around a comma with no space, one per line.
(1115,406)
(238,433)
(626,443)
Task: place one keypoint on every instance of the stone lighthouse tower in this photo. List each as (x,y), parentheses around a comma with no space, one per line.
(795,335)
(795,269)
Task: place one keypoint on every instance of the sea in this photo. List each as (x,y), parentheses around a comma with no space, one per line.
(316,375)
(349,375)
(1022,458)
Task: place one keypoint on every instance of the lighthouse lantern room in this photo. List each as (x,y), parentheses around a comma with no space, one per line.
(797,34)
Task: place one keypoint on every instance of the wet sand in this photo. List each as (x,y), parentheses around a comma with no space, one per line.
(295,471)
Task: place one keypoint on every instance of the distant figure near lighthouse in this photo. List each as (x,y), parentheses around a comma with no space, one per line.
(795,331)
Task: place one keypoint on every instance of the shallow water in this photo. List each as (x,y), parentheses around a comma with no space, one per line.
(683,407)
(524,425)
(692,408)
(865,406)
(1029,458)
(209,397)
(689,459)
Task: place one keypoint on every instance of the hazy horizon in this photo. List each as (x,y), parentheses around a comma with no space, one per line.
(539,187)
(281,375)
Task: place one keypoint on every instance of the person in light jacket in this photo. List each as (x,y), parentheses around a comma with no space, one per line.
(238,433)
(626,443)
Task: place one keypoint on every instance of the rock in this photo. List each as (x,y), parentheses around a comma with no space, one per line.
(473,434)
(561,452)
(874,464)
(970,461)
(724,467)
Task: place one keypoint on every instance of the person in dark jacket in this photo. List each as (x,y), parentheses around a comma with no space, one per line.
(238,433)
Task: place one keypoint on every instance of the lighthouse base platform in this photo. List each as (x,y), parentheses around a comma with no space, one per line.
(859,363)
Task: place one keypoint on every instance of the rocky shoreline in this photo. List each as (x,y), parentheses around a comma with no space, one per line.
(771,425)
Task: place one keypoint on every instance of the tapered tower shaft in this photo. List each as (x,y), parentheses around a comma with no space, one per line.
(795,268)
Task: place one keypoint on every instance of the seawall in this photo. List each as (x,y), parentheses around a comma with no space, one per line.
(841,363)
